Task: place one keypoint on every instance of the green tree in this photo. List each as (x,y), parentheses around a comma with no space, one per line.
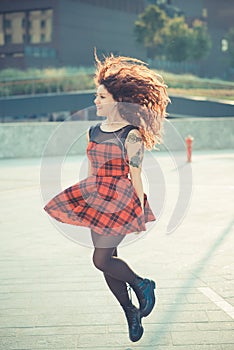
(148,29)
(201,41)
(171,38)
(230,40)
(177,39)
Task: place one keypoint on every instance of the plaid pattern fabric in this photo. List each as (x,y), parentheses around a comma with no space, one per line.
(106,202)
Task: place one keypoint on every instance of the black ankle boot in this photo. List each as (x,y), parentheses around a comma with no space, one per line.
(133,316)
(144,290)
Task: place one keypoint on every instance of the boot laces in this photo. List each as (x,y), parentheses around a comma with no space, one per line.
(131,315)
(129,289)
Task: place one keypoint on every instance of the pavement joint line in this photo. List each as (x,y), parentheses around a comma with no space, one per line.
(19,189)
(218,300)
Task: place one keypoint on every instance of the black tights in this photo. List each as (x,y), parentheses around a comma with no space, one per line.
(116,271)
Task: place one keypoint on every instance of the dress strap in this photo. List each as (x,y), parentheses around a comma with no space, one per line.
(93,130)
(90,131)
(126,130)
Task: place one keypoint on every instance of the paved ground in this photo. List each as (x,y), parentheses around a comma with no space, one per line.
(53,298)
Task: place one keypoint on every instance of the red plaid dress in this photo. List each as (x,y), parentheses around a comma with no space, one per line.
(106,201)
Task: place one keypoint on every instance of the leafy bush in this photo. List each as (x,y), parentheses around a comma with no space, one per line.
(49,80)
(67,79)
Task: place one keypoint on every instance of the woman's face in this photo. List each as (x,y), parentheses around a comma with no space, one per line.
(104,102)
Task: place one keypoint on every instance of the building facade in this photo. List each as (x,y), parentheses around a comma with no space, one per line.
(218,16)
(27,33)
(45,33)
(41,33)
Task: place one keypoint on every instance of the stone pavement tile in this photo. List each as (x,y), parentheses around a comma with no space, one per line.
(39,342)
(192,347)
(152,347)
(116,339)
(18,321)
(203,337)
(50,310)
(186,306)
(227,293)
(153,327)
(227,346)
(40,287)
(162,347)
(223,286)
(138,347)
(216,326)
(228,275)
(177,284)
(182,292)
(54,299)
(181,298)
(39,273)
(180,316)
(53,330)
(196,298)
(9,332)
(60,319)
(50,271)
(218,315)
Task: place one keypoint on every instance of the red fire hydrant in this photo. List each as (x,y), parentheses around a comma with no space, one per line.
(189,141)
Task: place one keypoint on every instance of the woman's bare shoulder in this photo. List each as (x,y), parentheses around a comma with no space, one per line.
(134,136)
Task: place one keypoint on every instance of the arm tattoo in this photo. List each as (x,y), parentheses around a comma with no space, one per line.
(132,138)
(136,160)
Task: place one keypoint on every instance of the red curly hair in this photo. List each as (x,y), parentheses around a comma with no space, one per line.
(141,92)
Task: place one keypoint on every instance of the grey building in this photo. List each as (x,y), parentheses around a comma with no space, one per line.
(45,33)
(65,32)
(219,17)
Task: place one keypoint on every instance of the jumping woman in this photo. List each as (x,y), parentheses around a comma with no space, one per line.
(111,200)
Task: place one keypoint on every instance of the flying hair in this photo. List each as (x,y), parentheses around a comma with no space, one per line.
(141,93)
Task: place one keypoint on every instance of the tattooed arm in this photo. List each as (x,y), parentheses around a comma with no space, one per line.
(135,151)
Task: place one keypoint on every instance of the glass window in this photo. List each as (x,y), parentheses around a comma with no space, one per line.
(18,54)
(8,39)
(224,45)
(7,23)
(204,13)
(26,27)
(13,27)
(34,30)
(40,28)
(23,22)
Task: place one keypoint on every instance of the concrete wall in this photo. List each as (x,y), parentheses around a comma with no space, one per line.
(76,101)
(83,26)
(23,140)
(208,133)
